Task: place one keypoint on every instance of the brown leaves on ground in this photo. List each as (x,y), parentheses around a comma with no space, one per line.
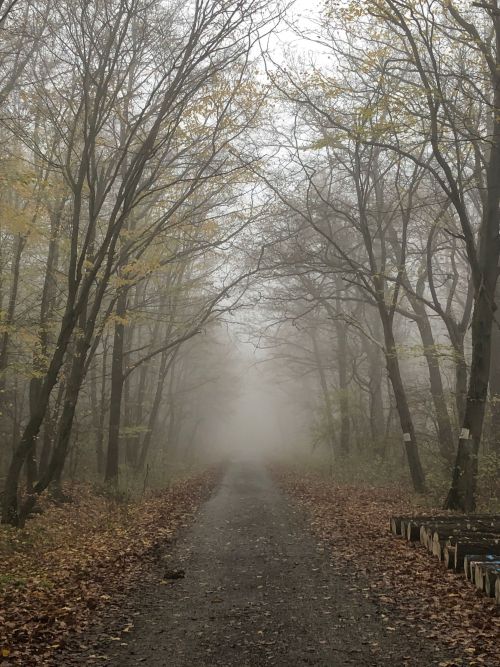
(69,562)
(412,585)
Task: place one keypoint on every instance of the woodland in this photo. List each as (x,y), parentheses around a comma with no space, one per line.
(324,185)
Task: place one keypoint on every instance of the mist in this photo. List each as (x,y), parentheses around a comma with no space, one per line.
(249,260)
(262,423)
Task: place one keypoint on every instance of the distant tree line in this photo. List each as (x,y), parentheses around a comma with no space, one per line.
(122,179)
(387,189)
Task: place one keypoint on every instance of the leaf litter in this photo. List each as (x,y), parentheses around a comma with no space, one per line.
(65,568)
(413,586)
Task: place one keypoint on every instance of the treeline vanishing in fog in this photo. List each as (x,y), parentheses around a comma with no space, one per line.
(123,177)
(168,165)
(388,176)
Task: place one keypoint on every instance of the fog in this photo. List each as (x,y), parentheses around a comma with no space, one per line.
(273,244)
(263,421)
(249,273)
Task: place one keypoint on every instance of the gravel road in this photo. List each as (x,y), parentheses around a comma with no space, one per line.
(258,590)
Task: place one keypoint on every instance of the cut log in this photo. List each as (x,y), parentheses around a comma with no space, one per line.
(416,529)
(437,533)
(478,525)
(470,561)
(497,590)
(424,534)
(400,525)
(438,547)
(485,576)
(474,537)
(413,531)
(441,535)
(449,556)
(446,529)
(490,585)
(430,541)
(396,525)
(456,550)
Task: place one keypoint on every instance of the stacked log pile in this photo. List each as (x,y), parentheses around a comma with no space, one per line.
(467,543)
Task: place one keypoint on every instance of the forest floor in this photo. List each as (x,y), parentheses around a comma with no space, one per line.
(415,591)
(73,563)
(280,569)
(262,588)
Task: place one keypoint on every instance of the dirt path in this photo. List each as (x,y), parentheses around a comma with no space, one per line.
(258,590)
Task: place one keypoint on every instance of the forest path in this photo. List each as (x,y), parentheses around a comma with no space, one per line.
(258,590)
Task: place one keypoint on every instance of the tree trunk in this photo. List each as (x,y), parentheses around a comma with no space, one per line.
(31,469)
(462,494)
(72,314)
(53,474)
(394,373)
(98,411)
(11,308)
(326,394)
(461,372)
(47,306)
(112,456)
(443,422)
(32,428)
(444,427)
(49,427)
(495,383)
(342,359)
(47,438)
(376,399)
(134,442)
